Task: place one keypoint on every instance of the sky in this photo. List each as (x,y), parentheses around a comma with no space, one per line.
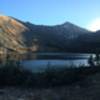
(84,13)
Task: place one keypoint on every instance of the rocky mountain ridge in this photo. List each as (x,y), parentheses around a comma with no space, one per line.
(24,36)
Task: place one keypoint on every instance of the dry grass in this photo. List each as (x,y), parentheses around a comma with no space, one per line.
(88,89)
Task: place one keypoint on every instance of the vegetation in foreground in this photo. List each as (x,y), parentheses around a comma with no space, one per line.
(54,84)
(14,75)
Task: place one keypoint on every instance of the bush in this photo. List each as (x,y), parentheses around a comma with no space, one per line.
(15,75)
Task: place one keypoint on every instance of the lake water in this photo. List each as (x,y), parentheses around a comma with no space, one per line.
(67,60)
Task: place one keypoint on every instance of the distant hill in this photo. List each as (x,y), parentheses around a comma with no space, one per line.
(25,36)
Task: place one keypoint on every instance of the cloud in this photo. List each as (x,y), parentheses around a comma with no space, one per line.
(94,25)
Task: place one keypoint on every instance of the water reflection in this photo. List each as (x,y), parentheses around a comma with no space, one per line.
(40,61)
(37,65)
(56,60)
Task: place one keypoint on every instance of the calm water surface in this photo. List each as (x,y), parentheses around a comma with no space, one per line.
(70,60)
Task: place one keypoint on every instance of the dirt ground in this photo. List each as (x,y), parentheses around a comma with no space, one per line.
(89,89)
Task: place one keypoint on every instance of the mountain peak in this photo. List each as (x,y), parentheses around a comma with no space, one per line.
(67,24)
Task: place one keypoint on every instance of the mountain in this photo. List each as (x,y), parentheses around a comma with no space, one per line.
(89,43)
(55,38)
(11,33)
(22,37)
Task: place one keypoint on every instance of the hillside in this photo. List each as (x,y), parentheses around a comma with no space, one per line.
(23,37)
(11,33)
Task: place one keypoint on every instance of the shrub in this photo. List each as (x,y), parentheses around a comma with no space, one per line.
(14,75)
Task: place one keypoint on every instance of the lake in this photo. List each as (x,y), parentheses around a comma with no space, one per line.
(56,60)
